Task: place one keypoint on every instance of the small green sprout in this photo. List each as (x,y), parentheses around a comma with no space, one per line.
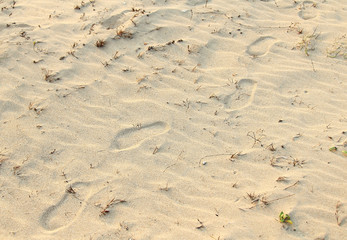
(284,218)
(344,153)
(333,149)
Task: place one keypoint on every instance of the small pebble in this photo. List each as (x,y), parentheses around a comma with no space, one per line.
(204,163)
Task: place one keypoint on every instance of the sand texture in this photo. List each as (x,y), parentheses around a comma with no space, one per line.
(173,119)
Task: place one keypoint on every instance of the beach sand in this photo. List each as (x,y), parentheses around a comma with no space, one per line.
(173,119)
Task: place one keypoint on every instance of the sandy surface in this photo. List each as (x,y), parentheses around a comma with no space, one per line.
(164,119)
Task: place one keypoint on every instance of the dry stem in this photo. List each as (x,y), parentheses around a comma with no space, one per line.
(113,201)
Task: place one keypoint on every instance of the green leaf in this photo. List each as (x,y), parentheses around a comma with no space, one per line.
(333,149)
(289,221)
(281,217)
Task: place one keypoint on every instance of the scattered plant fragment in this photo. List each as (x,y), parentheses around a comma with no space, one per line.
(338,48)
(256,136)
(281,179)
(83,4)
(201,226)
(298,135)
(124,226)
(156,149)
(115,56)
(292,185)
(3,157)
(36,108)
(294,161)
(295,27)
(234,156)
(104,211)
(100,43)
(70,190)
(271,147)
(254,197)
(307,42)
(337,212)
(122,33)
(231,158)
(166,188)
(297,162)
(258,198)
(16,170)
(49,76)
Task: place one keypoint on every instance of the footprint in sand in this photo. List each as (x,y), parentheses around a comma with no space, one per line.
(243,97)
(116,20)
(196,2)
(308,10)
(261,46)
(67,209)
(130,138)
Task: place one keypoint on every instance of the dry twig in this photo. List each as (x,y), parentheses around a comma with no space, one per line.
(201,226)
(292,185)
(256,136)
(178,158)
(337,211)
(232,156)
(113,201)
(166,188)
(70,190)
(3,157)
(100,43)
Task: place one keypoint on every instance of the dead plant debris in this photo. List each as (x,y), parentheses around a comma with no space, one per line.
(104,211)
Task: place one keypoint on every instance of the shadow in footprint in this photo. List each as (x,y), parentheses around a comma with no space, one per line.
(261,46)
(243,97)
(67,209)
(308,10)
(196,2)
(116,20)
(130,138)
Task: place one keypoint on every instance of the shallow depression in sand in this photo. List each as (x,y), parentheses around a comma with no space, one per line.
(67,209)
(132,137)
(308,10)
(261,46)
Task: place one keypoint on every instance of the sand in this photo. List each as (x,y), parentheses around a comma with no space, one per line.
(163,119)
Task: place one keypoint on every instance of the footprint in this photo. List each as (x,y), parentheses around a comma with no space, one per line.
(130,138)
(8,106)
(260,47)
(308,10)
(67,209)
(196,2)
(116,20)
(243,97)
